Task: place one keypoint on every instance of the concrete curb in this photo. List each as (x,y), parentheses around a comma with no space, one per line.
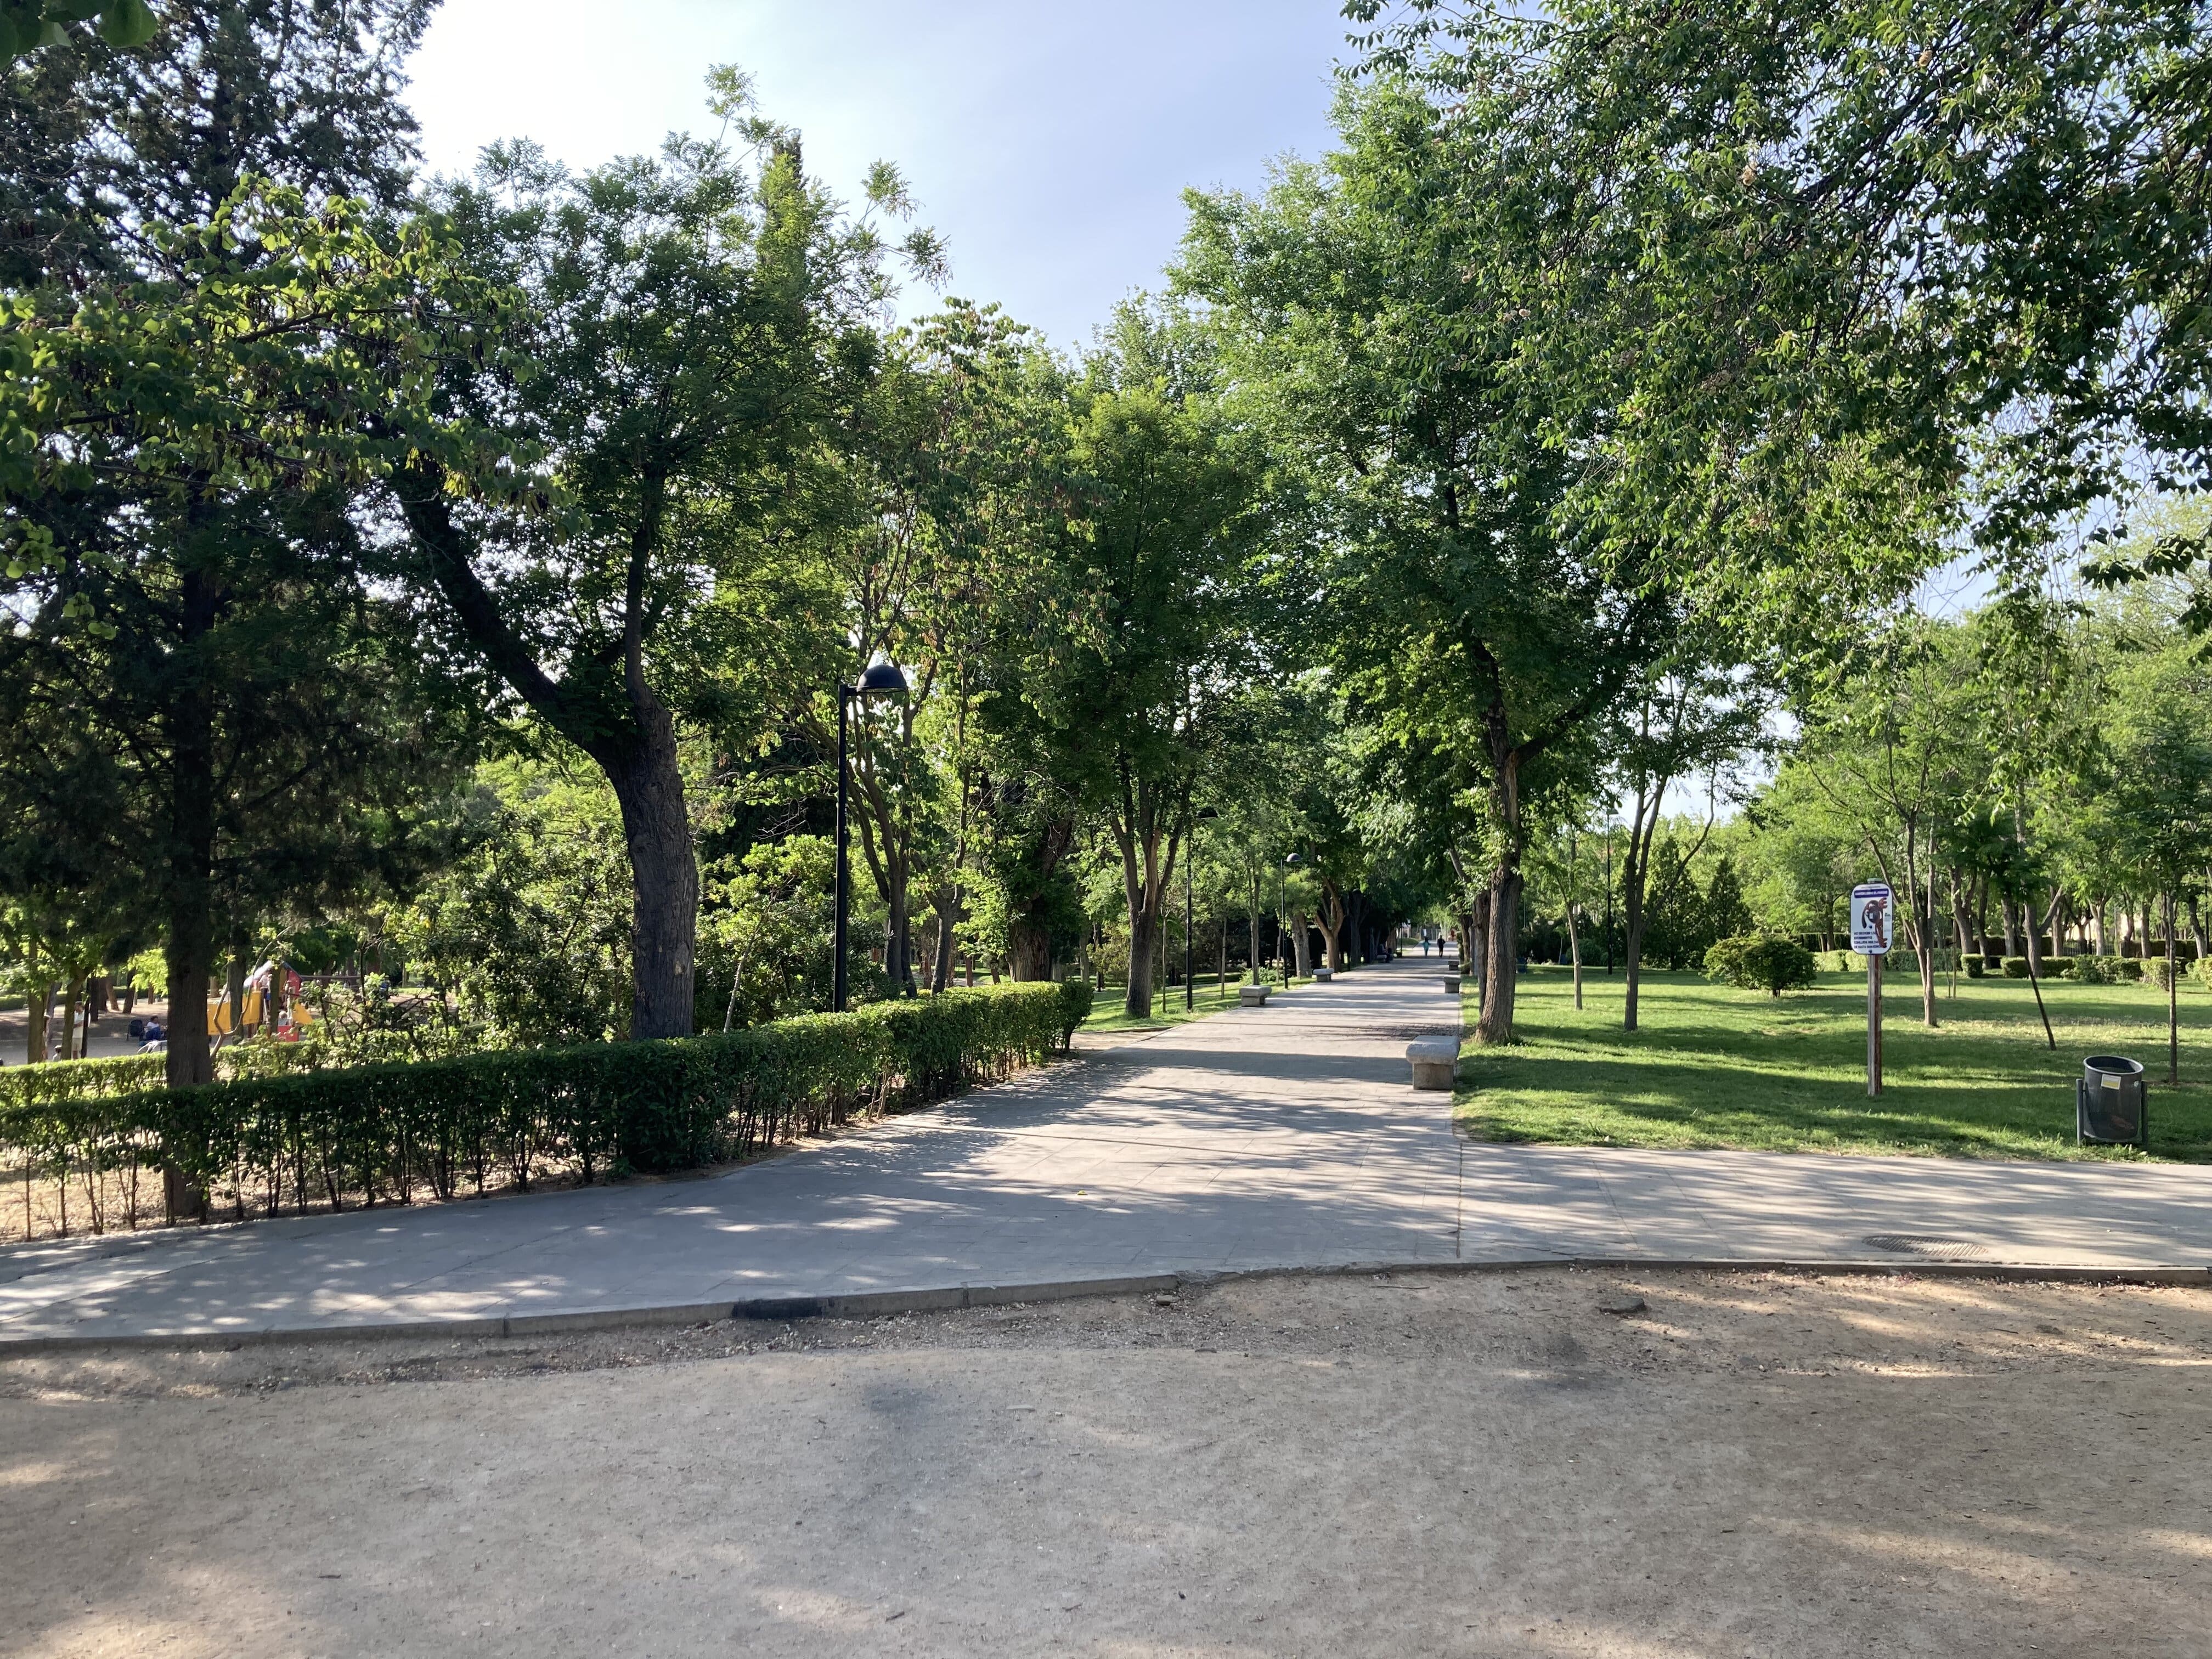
(871,1304)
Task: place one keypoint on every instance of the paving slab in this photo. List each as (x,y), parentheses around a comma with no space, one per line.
(1257,1139)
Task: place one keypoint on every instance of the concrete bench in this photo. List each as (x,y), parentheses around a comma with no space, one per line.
(1451,985)
(1436,1061)
(1323,975)
(1251,996)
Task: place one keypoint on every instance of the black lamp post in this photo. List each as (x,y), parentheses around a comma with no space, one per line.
(881,679)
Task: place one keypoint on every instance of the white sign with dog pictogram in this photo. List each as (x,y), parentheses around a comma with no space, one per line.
(1873,909)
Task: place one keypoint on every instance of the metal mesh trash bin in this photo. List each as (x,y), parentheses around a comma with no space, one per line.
(2108,1103)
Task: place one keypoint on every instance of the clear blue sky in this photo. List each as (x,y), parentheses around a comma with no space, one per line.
(1048,142)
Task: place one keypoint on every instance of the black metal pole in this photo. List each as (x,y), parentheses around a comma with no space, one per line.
(844,897)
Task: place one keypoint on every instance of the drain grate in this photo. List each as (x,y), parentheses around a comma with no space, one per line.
(1931,1248)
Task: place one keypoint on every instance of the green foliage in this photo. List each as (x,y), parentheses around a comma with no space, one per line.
(1759,961)
(28,25)
(54,1082)
(527,926)
(2095,970)
(1726,913)
(383,1132)
(766,950)
(373,1026)
(1683,921)
(2016,967)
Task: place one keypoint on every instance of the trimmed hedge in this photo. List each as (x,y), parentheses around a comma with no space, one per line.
(2108,970)
(381,1132)
(58,1080)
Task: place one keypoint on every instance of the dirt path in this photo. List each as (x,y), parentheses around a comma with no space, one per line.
(1472,1464)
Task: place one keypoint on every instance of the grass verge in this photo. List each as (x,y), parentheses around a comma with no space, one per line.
(1713,1066)
(1107,1013)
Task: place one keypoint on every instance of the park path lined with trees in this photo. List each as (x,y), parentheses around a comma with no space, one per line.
(430,605)
(1259,1138)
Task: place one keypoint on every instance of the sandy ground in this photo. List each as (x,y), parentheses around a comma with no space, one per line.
(1479,1464)
(110,1033)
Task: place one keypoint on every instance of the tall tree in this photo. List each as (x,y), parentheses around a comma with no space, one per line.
(1141,688)
(693,331)
(182,590)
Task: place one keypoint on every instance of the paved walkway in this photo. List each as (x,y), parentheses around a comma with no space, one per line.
(1282,1137)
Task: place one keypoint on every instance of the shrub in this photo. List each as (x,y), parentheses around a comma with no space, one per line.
(2107,970)
(1754,963)
(2016,967)
(1976,967)
(2159,971)
(2202,969)
(383,1131)
(2059,967)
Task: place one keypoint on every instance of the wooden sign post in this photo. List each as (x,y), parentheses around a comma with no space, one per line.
(1873,912)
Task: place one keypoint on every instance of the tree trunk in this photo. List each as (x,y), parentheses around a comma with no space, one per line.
(1254,915)
(1632,937)
(2172,1002)
(1575,948)
(640,761)
(648,786)
(1301,944)
(191,944)
(1501,958)
(1959,930)
(1148,851)
(40,996)
(1143,926)
(234,990)
(72,995)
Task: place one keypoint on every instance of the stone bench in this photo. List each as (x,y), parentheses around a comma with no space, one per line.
(1451,985)
(1251,996)
(1436,1062)
(1323,975)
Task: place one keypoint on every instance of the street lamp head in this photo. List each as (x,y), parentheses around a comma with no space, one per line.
(881,679)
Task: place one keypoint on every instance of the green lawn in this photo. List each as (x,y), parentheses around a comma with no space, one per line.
(1106,1014)
(1713,1066)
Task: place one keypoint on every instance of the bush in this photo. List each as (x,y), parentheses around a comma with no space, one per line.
(1976,967)
(383,1131)
(2202,969)
(2107,970)
(2159,971)
(2016,967)
(1751,962)
(2059,967)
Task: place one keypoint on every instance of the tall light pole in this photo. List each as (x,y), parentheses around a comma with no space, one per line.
(880,679)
